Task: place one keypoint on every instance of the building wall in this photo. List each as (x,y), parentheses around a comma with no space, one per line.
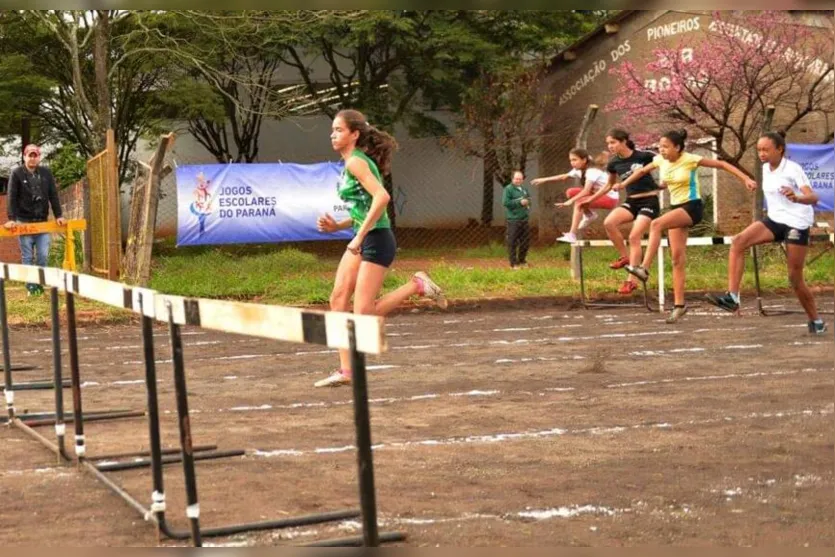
(586,80)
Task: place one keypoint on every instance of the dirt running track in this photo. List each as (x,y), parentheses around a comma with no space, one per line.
(536,426)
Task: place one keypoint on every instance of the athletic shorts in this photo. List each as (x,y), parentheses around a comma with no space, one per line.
(379,247)
(643,206)
(695,208)
(785,233)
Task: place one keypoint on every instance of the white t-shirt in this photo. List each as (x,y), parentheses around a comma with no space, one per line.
(598,177)
(780,209)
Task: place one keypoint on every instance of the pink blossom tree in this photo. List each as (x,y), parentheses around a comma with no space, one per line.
(720,86)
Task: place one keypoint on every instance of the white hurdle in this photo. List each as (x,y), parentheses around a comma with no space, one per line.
(695,241)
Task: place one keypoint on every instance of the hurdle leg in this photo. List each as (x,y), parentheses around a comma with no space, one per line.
(75,378)
(7,357)
(158,494)
(193,506)
(661,277)
(60,426)
(365,464)
(582,278)
(757,281)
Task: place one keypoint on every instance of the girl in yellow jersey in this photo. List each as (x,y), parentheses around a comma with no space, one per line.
(678,172)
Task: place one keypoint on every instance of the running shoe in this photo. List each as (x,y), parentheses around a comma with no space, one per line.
(619,263)
(627,287)
(817,327)
(336,379)
(587,220)
(638,271)
(677,313)
(428,288)
(725,301)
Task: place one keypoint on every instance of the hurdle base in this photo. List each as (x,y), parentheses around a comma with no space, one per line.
(293,522)
(36,419)
(173,459)
(36,386)
(59,449)
(138,454)
(100,417)
(357,541)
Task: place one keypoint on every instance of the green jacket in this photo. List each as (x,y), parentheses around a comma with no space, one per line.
(512,201)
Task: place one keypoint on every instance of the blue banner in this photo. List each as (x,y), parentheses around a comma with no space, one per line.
(256,203)
(818,162)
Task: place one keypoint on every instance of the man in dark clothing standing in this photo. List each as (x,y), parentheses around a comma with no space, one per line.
(32,190)
(517,205)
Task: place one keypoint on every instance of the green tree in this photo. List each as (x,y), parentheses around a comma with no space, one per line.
(493,83)
(95,83)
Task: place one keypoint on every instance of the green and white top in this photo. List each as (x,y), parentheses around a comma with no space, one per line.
(351,192)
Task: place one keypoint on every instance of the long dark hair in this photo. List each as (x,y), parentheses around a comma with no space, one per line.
(583,154)
(377,144)
(677,138)
(621,135)
(778,138)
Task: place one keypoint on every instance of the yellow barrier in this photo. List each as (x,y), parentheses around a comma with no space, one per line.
(52,227)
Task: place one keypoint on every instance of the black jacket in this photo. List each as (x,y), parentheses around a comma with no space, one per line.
(31,194)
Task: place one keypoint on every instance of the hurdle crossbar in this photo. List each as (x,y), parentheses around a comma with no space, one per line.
(360,334)
(695,241)
(769,312)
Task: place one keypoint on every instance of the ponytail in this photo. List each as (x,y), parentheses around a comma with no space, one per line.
(377,144)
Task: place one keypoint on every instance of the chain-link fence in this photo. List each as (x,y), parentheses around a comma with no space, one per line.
(444,197)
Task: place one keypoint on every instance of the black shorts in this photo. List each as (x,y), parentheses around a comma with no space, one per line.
(643,206)
(785,233)
(695,208)
(379,247)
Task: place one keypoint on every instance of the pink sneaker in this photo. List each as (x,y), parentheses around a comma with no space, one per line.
(428,288)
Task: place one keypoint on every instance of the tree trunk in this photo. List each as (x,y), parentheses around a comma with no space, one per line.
(25,134)
(491,166)
(103,120)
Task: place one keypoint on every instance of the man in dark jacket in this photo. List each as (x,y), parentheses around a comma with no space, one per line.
(31,191)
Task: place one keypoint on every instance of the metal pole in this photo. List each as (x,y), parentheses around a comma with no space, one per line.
(7,356)
(757,280)
(173,459)
(75,378)
(193,508)
(661,290)
(60,426)
(158,495)
(362,421)
(582,277)
(715,190)
(768,116)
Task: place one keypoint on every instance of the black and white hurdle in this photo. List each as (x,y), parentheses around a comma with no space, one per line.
(694,241)
(361,334)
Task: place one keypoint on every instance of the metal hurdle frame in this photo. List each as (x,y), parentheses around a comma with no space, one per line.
(765,312)
(360,334)
(695,241)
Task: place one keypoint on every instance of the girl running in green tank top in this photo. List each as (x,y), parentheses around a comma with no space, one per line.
(367,154)
(351,191)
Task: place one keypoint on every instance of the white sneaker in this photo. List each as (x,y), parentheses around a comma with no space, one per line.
(335,380)
(428,288)
(587,220)
(567,237)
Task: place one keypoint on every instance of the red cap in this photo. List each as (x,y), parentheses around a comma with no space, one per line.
(31,147)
